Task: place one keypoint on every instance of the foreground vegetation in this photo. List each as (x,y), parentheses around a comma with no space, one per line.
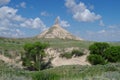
(76,72)
(9,73)
(110,71)
(72,72)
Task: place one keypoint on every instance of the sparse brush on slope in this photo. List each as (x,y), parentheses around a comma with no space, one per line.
(75,53)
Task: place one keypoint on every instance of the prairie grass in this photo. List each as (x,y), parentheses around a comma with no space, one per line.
(8,73)
(77,72)
(70,72)
(109,71)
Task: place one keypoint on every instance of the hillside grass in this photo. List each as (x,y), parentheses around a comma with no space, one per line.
(109,71)
(17,44)
(77,72)
(9,73)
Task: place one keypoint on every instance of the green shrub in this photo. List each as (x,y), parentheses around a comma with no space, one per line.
(77,53)
(66,55)
(97,51)
(33,57)
(96,59)
(98,48)
(112,54)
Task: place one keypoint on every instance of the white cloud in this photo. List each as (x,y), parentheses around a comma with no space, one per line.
(10,21)
(114,26)
(7,13)
(63,23)
(108,34)
(4,2)
(44,13)
(102,31)
(3,28)
(33,23)
(23,5)
(80,11)
(101,23)
(12,33)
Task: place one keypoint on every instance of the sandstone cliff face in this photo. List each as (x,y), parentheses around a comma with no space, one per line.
(58,61)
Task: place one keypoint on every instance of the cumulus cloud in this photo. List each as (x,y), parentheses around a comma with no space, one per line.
(10,21)
(63,23)
(12,33)
(4,2)
(34,23)
(81,12)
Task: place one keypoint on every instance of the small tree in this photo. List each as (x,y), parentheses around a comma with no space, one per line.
(33,56)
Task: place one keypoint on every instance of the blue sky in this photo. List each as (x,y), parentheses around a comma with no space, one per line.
(96,20)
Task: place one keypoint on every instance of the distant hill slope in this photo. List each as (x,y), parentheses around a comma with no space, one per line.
(56,31)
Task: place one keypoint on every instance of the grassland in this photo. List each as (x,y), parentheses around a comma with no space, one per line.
(57,43)
(77,72)
(17,44)
(9,73)
(71,72)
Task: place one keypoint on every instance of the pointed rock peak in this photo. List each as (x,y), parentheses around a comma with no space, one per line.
(56,31)
(57,21)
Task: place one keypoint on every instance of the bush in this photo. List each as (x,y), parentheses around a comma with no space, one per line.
(112,54)
(96,59)
(97,51)
(77,53)
(98,48)
(66,55)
